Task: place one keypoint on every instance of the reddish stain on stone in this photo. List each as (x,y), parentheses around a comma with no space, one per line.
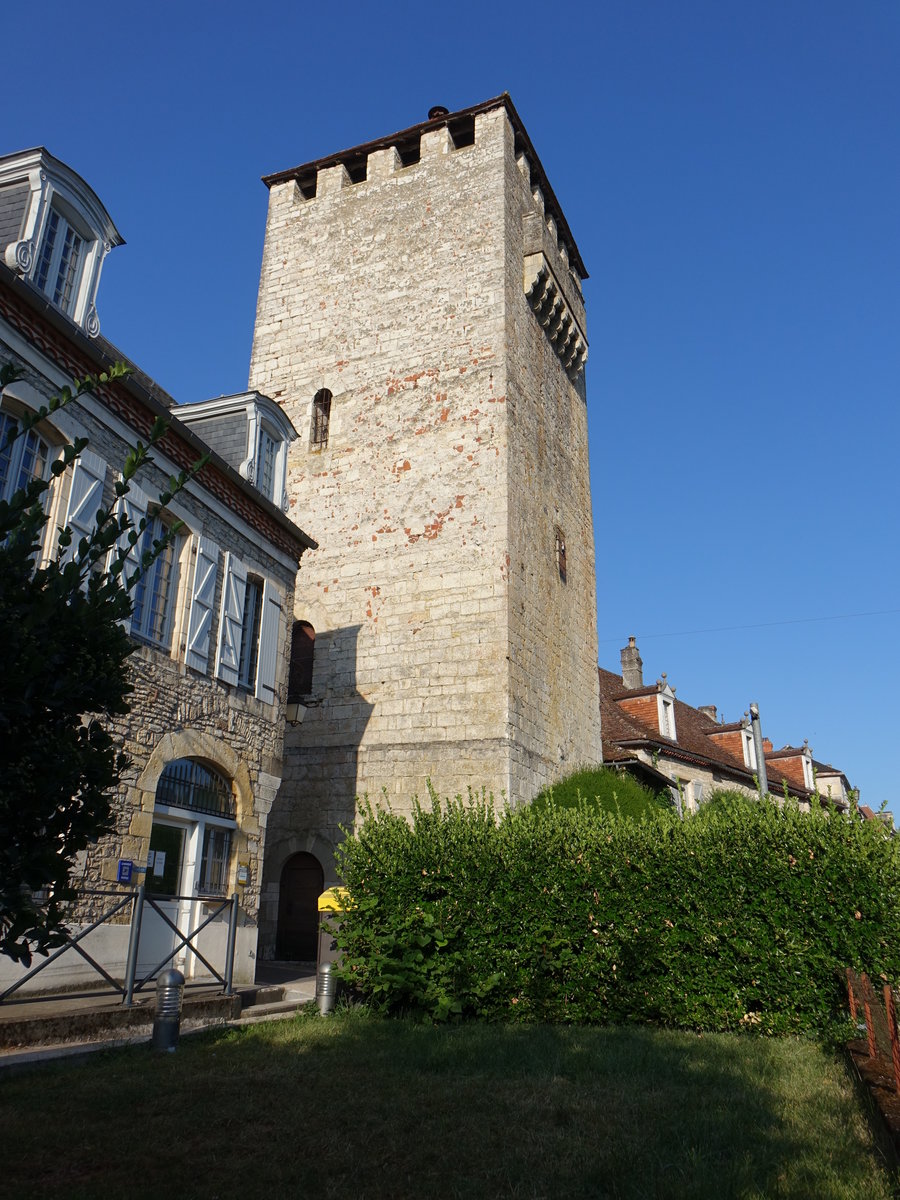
(445,413)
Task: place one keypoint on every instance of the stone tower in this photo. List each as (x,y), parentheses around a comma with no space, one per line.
(421,320)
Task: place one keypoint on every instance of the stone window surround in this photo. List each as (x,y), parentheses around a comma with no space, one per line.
(197,744)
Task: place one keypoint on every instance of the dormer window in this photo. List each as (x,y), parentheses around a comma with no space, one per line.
(266,460)
(252,433)
(60,261)
(749,749)
(809,775)
(666,712)
(55,232)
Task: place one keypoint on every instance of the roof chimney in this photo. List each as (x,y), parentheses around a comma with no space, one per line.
(632,665)
(708,710)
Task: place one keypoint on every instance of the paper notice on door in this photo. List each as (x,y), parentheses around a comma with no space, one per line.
(159,863)
(150,860)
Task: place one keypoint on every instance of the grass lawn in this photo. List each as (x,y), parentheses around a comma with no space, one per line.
(356,1107)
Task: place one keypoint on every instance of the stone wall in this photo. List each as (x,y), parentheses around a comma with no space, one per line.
(447,647)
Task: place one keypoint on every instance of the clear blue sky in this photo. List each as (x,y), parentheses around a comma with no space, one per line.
(730,173)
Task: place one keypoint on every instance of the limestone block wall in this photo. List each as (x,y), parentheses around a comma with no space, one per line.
(554,695)
(390,293)
(440,641)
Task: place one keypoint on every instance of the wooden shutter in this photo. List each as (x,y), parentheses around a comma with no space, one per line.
(134,505)
(85,497)
(231,620)
(270,643)
(203,596)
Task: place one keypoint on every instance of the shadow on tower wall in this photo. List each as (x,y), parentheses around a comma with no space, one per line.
(320,775)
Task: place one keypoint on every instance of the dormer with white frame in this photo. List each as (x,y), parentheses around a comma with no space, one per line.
(748,745)
(55,232)
(252,433)
(665,707)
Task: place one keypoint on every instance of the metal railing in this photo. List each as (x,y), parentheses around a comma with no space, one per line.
(132,985)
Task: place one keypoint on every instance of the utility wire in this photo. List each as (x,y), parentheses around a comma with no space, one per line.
(882,612)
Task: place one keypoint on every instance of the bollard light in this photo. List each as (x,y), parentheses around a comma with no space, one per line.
(325,989)
(169,993)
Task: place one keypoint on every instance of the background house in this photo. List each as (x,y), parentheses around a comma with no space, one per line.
(665,742)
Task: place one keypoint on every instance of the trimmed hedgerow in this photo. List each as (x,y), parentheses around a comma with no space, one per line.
(741,918)
(605,790)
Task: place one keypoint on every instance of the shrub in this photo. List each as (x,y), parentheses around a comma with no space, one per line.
(742,919)
(603,790)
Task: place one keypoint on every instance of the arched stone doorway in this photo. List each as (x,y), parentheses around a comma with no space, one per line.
(302,882)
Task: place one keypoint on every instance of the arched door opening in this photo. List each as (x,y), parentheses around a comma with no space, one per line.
(302,882)
(189,861)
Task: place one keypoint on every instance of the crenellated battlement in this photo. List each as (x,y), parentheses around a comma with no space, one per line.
(437,138)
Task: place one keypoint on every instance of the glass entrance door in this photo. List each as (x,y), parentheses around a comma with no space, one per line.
(164,879)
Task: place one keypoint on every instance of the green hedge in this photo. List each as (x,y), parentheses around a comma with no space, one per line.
(741,918)
(605,790)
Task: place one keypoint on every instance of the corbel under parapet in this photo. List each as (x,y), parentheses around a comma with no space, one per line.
(548,303)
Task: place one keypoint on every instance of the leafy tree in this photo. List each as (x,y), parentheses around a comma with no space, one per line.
(64,676)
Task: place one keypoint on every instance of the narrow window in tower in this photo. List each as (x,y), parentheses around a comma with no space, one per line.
(321,416)
(300,675)
(561,554)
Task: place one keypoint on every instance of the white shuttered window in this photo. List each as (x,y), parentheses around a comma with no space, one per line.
(202,599)
(250,633)
(231,619)
(134,505)
(85,497)
(270,642)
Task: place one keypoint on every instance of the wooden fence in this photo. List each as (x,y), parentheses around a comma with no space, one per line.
(879,1015)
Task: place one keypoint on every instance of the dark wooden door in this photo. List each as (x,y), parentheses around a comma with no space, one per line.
(302,883)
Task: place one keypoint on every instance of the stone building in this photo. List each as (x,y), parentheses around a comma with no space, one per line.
(210,621)
(421,321)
